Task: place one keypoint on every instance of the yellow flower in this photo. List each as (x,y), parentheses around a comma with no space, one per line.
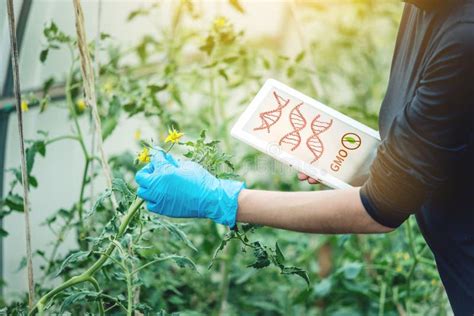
(406,256)
(434,282)
(144,155)
(81,105)
(173,136)
(398,269)
(220,22)
(24,106)
(138,134)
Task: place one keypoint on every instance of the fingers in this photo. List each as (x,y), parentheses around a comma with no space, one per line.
(152,207)
(144,193)
(143,176)
(304,177)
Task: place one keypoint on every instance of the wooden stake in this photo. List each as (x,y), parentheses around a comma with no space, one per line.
(24,171)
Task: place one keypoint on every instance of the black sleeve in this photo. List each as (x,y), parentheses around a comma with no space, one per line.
(429,136)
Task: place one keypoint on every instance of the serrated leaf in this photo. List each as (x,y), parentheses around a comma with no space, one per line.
(178,233)
(279,254)
(183,262)
(262,258)
(75,257)
(80,296)
(297,271)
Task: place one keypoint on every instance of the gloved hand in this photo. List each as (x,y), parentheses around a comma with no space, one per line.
(185,189)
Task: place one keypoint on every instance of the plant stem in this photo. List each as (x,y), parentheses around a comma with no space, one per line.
(129,294)
(96,285)
(59,138)
(383,292)
(72,110)
(86,275)
(80,206)
(412,249)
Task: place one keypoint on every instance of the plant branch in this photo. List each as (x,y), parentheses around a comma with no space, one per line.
(86,275)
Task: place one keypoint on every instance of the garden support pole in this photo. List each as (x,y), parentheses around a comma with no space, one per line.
(24,171)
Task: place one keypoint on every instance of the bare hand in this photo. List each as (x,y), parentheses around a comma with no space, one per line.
(303,177)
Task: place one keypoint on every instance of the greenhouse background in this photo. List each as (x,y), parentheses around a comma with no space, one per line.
(337,51)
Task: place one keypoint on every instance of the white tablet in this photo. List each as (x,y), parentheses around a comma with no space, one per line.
(307,135)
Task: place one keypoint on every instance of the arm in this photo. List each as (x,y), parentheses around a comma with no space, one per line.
(182,188)
(324,212)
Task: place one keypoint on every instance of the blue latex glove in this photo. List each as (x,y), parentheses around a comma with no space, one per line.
(185,189)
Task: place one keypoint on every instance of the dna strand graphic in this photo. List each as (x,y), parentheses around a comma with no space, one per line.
(269,118)
(314,143)
(298,122)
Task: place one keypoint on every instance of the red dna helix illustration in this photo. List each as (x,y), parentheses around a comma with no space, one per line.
(298,122)
(314,143)
(269,118)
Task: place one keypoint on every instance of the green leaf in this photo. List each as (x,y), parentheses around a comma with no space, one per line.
(154,88)
(208,46)
(223,74)
(99,202)
(32,181)
(3,232)
(352,270)
(300,57)
(221,247)
(231,59)
(178,233)
(297,271)
(38,147)
(14,202)
(266,64)
(74,297)
(323,288)
(44,55)
(279,254)
(108,126)
(75,257)
(262,259)
(183,262)
(290,71)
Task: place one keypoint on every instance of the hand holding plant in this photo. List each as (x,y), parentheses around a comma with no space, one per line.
(183,188)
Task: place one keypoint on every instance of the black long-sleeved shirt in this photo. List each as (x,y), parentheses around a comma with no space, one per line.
(425,164)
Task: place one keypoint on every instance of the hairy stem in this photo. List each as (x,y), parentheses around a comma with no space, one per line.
(96,286)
